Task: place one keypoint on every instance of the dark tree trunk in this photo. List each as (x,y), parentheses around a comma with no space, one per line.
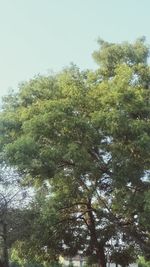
(5,247)
(101,257)
(1,264)
(99,248)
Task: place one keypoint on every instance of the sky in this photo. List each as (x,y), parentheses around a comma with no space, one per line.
(41,36)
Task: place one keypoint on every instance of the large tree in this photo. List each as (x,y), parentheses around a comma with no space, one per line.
(88,134)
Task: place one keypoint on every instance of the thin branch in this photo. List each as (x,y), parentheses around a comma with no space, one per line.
(74,204)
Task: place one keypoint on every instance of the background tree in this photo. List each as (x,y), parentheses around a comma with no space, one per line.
(13,199)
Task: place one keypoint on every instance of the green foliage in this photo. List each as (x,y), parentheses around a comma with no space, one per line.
(124,257)
(143,263)
(112,55)
(86,136)
(91,260)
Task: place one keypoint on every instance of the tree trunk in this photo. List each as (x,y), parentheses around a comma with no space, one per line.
(5,248)
(101,257)
(99,248)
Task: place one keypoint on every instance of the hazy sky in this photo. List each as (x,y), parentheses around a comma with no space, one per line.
(38,36)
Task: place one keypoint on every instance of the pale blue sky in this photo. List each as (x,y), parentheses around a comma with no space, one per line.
(38,36)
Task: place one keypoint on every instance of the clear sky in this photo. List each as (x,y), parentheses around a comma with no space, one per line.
(38,36)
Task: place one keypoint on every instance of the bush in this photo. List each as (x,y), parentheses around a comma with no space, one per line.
(143,263)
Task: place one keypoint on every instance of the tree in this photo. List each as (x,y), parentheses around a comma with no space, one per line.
(13,198)
(40,246)
(88,135)
(125,114)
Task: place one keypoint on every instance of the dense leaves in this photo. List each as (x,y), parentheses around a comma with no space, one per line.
(87,136)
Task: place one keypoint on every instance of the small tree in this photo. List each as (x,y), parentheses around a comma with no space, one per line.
(13,198)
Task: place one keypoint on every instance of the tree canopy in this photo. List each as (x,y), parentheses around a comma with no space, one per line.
(87,135)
